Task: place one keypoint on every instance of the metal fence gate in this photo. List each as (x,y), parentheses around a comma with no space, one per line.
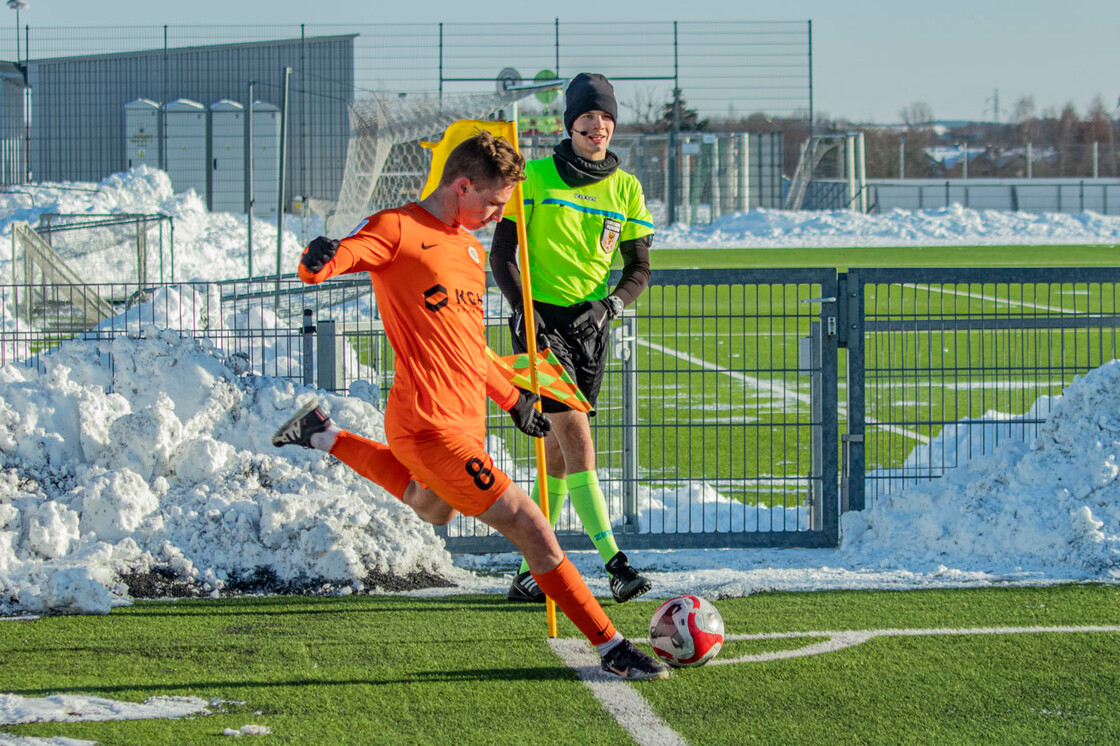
(716,425)
(946,364)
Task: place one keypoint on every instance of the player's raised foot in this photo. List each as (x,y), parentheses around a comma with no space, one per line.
(628,662)
(524,588)
(297,431)
(626,582)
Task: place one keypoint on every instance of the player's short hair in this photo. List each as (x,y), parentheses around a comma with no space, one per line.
(485,160)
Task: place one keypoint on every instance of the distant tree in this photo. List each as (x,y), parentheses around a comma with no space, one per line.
(1098,127)
(645,107)
(1024,120)
(916,114)
(1023,110)
(1067,134)
(687,119)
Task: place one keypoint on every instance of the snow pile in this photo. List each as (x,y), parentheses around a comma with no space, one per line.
(947,226)
(163,464)
(1052,504)
(208,246)
(73,708)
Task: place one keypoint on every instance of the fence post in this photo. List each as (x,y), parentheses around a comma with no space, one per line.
(625,349)
(816,435)
(744,172)
(308,348)
(141,251)
(715,176)
(686,182)
(852,481)
(325,355)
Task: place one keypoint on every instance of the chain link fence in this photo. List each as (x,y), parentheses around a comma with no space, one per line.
(668,76)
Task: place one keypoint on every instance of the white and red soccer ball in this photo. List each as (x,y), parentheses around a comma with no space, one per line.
(686,631)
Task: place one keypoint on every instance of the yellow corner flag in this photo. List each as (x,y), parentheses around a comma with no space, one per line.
(456,133)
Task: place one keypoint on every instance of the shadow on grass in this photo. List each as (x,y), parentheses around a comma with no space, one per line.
(552,673)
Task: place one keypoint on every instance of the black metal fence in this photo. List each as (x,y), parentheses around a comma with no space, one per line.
(741,407)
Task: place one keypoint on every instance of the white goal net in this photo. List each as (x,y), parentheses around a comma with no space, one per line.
(385,163)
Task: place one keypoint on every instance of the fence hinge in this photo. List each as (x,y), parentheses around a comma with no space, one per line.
(831,326)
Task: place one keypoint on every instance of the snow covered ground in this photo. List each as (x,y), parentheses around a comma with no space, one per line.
(173,476)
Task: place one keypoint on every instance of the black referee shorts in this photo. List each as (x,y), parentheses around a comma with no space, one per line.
(585,360)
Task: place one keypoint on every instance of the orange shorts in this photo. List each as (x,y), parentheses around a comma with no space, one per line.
(452,464)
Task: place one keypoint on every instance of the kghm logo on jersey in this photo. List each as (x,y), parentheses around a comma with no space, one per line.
(435,297)
(612,229)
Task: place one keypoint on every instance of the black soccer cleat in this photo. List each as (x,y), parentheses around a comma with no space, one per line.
(626,582)
(524,588)
(628,662)
(297,431)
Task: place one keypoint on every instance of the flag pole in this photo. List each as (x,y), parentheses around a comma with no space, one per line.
(517,202)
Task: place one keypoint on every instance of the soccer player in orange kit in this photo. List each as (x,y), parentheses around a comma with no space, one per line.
(429,278)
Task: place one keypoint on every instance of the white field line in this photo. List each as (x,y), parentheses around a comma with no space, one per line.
(633,713)
(626,706)
(840,640)
(990,298)
(769,386)
(760,385)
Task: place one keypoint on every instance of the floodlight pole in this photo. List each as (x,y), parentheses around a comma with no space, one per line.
(283,169)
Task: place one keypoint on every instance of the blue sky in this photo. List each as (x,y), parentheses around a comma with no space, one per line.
(871,58)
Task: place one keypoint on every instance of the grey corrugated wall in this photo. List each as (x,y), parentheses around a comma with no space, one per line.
(78,130)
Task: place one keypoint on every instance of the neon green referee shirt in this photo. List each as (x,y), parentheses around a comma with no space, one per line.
(574,232)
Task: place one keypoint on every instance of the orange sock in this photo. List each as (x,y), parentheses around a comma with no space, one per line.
(566,587)
(372,460)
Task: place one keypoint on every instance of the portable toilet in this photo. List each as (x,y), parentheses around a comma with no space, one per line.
(186,157)
(266,157)
(141,133)
(227,156)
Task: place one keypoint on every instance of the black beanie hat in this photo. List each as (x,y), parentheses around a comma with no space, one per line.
(588,92)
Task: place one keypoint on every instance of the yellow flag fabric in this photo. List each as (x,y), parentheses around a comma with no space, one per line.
(456,133)
(553,379)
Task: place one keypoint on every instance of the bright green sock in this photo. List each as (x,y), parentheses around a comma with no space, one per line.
(591,507)
(557,493)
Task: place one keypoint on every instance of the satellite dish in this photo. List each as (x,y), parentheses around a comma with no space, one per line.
(507,79)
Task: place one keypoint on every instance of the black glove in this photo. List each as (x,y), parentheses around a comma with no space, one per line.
(527,418)
(318,253)
(592,316)
(517,326)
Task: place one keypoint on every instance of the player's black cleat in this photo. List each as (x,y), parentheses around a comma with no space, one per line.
(630,663)
(626,582)
(524,588)
(297,431)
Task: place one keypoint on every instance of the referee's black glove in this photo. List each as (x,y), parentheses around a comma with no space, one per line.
(527,418)
(318,253)
(592,316)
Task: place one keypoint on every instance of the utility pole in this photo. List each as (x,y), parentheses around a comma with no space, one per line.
(994,98)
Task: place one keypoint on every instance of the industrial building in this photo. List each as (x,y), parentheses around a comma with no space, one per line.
(95,115)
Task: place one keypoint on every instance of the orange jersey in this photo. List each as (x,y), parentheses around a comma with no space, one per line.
(429,279)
